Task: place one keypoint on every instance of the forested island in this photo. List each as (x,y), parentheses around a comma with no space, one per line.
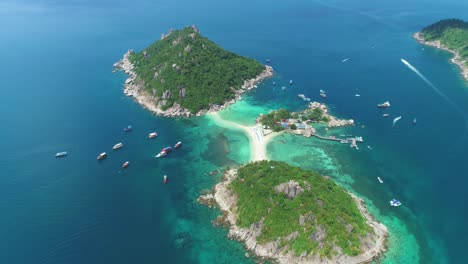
(450,35)
(186,74)
(290,215)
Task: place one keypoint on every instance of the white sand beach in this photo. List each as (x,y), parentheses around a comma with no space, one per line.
(258,142)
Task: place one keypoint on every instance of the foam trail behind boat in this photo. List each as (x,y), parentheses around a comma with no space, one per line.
(465,117)
(396,120)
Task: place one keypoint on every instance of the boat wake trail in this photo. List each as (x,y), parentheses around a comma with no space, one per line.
(446,98)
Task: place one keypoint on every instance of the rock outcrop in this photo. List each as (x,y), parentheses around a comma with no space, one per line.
(291,189)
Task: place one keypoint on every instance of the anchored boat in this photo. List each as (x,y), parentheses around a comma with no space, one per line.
(61,154)
(127,129)
(117,146)
(380,180)
(178,144)
(102,156)
(125,165)
(165,179)
(395,203)
(152,135)
(384,105)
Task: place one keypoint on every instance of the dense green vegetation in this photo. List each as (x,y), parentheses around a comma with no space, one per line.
(325,205)
(453,33)
(315,115)
(186,60)
(273,119)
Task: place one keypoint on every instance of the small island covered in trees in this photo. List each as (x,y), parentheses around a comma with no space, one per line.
(450,35)
(290,215)
(186,74)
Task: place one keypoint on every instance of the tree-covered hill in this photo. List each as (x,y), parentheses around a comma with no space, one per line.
(187,68)
(308,212)
(452,33)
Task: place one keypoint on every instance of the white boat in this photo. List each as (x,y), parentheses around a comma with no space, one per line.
(384,105)
(306,99)
(290,82)
(125,165)
(385,115)
(117,146)
(395,203)
(301,96)
(61,154)
(161,154)
(178,144)
(283,88)
(152,135)
(102,156)
(344,141)
(323,95)
(345,60)
(369,147)
(357,95)
(380,180)
(414,121)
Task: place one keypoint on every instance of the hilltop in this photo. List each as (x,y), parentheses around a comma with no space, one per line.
(291,215)
(450,35)
(184,73)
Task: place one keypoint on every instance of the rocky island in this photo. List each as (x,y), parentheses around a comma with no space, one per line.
(450,35)
(185,74)
(289,215)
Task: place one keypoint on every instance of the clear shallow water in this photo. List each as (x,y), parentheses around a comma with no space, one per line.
(60,94)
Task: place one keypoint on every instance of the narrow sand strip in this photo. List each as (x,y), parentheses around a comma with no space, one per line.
(257,140)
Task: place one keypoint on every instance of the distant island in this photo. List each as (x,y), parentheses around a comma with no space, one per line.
(450,35)
(290,215)
(185,74)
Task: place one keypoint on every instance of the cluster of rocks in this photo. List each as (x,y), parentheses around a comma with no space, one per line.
(291,189)
(333,121)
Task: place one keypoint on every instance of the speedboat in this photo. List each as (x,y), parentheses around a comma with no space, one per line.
(323,95)
(127,129)
(178,144)
(290,82)
(61,154)
(414,121)
(152,135)
(102,156)
(268,60)
(117,146)
(306,99)
(165,179)
(357,95)
(322,91)
(283,88)
(385,115)
(344,141)
(301,96)
(369,147)
(161,154)
(125,165)
(395,203)
(166,149)
(384,105)
(380,180)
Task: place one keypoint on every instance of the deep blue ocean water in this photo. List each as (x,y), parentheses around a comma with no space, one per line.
(59,94)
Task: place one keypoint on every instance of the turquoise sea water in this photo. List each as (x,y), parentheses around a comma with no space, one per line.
(59,94)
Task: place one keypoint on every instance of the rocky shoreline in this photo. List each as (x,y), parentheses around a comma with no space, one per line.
(135,89)
(373,245)
(456,59)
